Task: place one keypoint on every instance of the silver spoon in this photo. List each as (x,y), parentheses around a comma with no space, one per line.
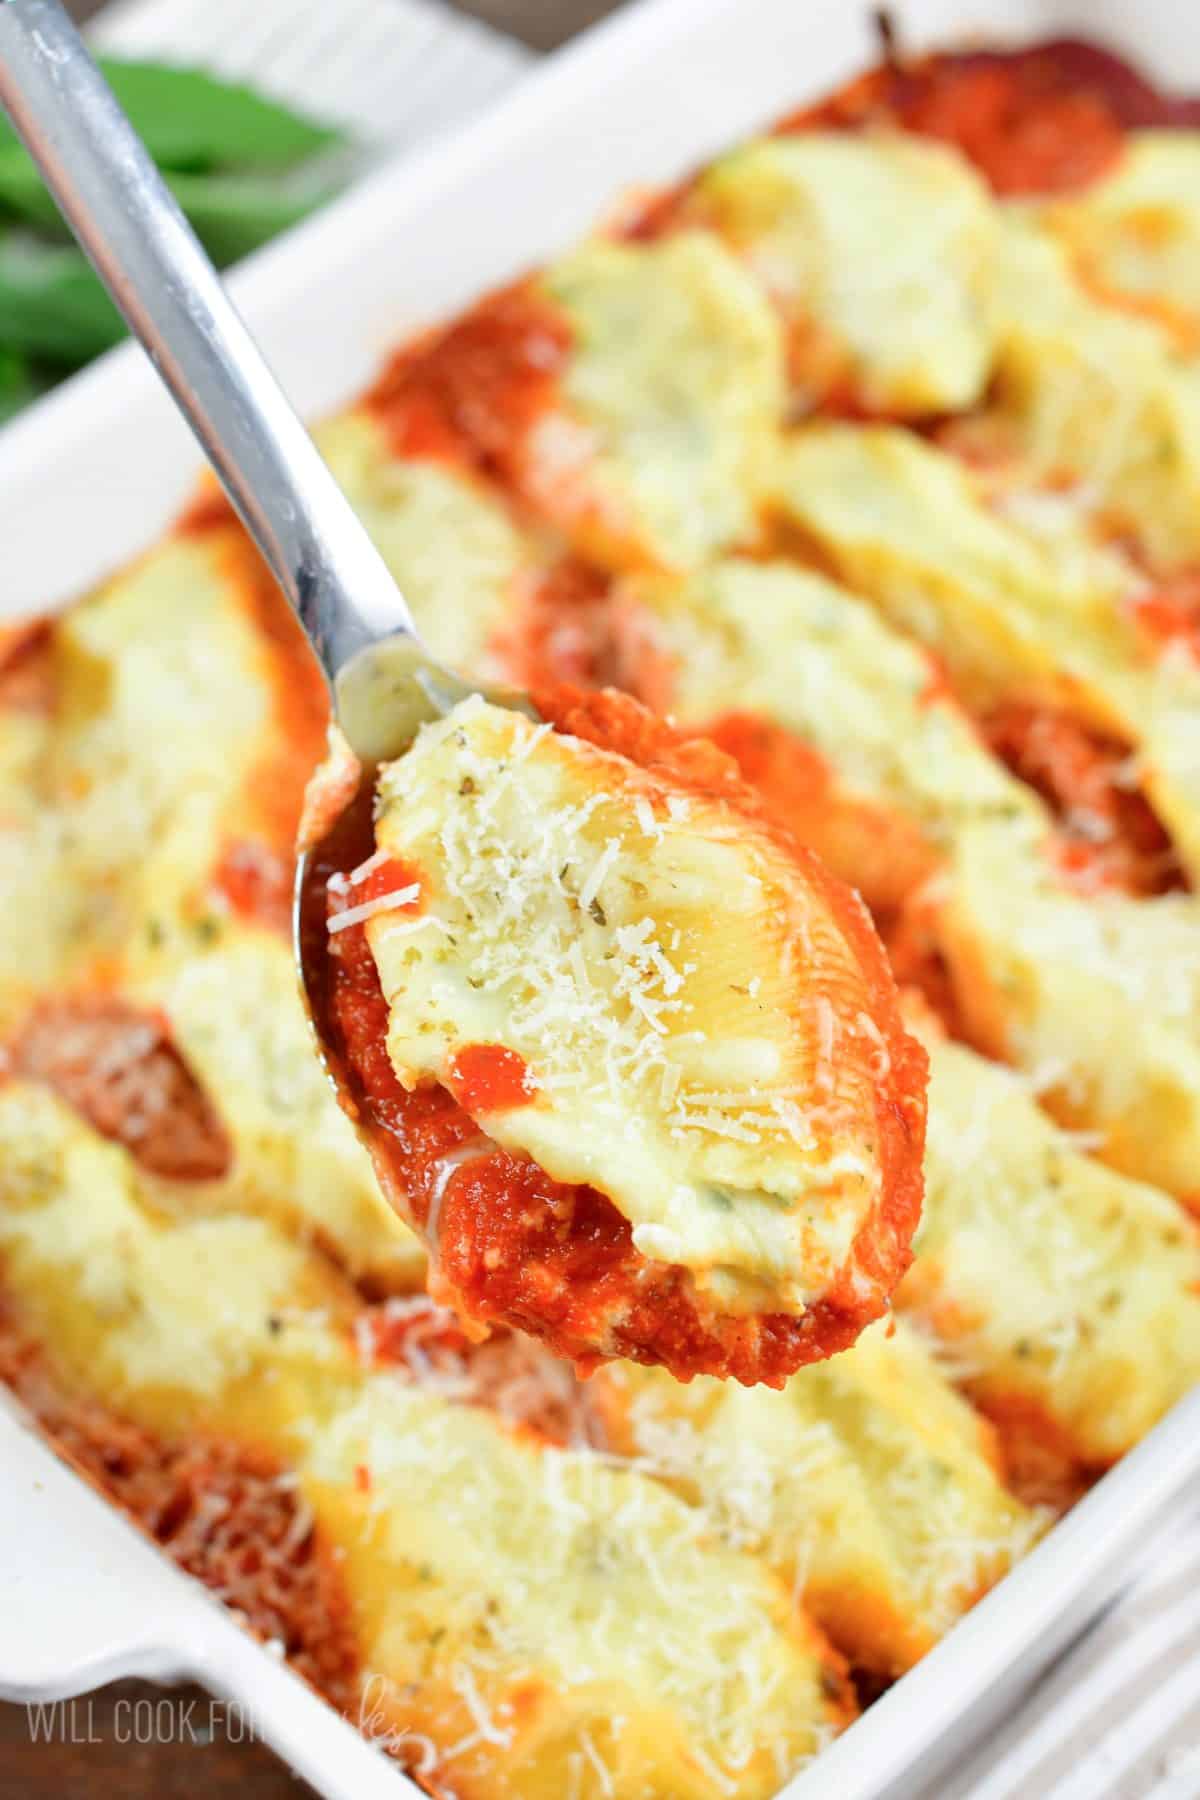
(382,680)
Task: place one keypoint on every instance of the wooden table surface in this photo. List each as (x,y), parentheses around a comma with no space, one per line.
(97,1746)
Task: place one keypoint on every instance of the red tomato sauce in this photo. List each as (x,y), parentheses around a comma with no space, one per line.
(208,510)
(1042,120)
(391,876)
(490,1078)
(918,962)
(470,393)
(256,883)
(1042,1465)
(386,1334)
(1109,835)
(772,759)
(566,629)
(27,677)
(118,1067)
(225,1511)
(880,852)
(300,701)
(1170,614)
(557,1260)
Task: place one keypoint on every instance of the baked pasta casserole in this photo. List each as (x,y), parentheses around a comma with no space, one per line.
(871,455)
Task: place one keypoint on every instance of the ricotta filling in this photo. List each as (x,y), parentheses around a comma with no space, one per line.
(651,957)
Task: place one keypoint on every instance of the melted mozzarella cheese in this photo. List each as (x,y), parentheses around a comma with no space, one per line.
(1047,1277)
(671,395)
(234,1013)
(1134,235)
(656,963)
(163,718)
(882,246)
(868,1484)
(908,526)
(457,555)
(162,1317)
(1098,394)
(1013,603)
(163,715)
(521,1608)
(576,1603)
(1106,989)
(1102,995)
(774,640)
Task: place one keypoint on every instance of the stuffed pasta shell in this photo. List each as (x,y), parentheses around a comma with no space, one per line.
(630,1059)
(630,394)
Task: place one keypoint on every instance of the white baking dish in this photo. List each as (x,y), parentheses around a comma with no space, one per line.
(96,471)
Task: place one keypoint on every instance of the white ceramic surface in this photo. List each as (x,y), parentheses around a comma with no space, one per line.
(96,470)
(86,1599)
(392,71)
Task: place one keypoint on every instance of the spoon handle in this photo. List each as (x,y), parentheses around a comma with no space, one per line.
(148,257)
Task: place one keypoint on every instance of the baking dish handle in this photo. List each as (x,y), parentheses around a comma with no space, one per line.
(85,1599)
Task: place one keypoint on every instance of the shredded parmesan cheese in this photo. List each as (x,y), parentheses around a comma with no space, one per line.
(653,973)
(367,909)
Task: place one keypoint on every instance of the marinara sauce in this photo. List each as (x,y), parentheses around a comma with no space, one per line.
(1108,833)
